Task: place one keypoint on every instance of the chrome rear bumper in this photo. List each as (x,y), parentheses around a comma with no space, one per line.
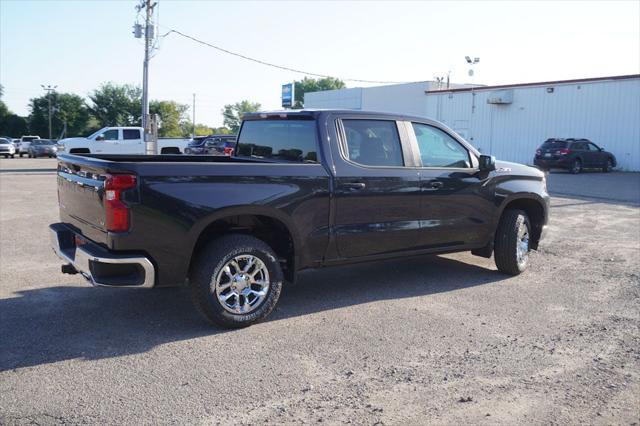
(97,265)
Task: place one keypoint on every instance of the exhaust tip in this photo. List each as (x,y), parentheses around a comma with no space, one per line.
(68,269)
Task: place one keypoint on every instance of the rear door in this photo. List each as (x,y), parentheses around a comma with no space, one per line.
(455,208)
(377,189)
(131,142)
(581,151)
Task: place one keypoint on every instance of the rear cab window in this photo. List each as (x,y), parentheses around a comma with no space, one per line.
(279,140)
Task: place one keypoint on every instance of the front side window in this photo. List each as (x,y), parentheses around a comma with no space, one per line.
(593,147)
(130,134)
(373,142)
(110,135)
(280,140)
(439,149)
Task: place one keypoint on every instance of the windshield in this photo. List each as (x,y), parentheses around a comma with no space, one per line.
(4,141)
(94,134)
(29,138)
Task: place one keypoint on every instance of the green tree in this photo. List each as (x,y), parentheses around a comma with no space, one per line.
(116,105)
(66,107)
(172,115)
(307,85)
(11,124)
(233,113)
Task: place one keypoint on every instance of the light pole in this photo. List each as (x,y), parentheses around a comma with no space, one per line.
(49,89)
(473,95)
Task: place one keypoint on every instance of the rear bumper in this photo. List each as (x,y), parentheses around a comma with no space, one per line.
(98,265)
(560,163)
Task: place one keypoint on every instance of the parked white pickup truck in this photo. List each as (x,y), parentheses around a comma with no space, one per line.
(119,140)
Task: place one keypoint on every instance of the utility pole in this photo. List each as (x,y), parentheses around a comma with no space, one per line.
(193,133)
(49,89)
(149,33)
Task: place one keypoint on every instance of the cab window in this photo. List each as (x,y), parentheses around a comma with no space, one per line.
(110,135)
(373,142)
(438,149)
(130,134)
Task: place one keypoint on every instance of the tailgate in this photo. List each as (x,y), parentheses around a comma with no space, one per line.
(80,193)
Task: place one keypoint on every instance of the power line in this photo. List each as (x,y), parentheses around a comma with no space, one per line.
(269,64)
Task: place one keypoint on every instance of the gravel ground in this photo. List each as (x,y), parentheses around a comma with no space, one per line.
(440,340)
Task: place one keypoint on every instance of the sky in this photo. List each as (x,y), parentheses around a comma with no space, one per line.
(77,45)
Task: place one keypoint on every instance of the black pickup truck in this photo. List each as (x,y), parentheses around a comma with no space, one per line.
(303,189)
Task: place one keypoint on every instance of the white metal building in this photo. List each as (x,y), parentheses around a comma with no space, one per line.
(511,121)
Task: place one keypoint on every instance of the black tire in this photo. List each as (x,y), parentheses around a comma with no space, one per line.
(576,166)
(506,242)
(13,155)
(209,263)
(608,166)
(21,154)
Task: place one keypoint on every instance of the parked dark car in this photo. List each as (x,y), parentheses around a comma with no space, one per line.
(212,145)
(42,148)
(573,155)
(303,190)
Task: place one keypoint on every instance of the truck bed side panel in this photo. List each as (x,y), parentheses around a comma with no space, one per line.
(178,201)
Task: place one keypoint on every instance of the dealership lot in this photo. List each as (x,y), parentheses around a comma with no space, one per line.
(443,339)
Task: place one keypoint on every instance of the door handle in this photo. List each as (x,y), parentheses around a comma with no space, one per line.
(433,185)
(353,185)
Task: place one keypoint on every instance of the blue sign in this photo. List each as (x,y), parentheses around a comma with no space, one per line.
(288,91)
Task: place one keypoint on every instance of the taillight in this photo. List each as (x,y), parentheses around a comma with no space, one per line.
(117,212)
(538,152)
(564,151)
(228,150)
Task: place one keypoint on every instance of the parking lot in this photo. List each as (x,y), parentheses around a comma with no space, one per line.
(442,339)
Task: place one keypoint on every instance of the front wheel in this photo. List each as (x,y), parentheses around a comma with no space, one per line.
(21,154)
(512,242)
(236,281)
(608,167)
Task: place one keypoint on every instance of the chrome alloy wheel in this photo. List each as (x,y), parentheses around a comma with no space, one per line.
(522,244)
(242,284)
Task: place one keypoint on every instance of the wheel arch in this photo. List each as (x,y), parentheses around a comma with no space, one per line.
(535,208)
(269,225)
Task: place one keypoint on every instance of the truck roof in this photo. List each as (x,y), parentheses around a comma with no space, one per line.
(315,112)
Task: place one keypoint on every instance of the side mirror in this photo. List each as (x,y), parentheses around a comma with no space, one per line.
(487,163)
(99,138)
(601,149)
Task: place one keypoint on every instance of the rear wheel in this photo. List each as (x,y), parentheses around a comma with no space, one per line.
(576,166)
(512,242)
(236,281)
(609,166)
(21,154)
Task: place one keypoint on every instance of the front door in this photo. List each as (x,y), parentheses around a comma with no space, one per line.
(597,158)
(109,142)
(377,197)
(456,209)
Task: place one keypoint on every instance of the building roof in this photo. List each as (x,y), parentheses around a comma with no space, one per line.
(541,83)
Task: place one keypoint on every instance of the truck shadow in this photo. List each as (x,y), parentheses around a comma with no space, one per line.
(60,323)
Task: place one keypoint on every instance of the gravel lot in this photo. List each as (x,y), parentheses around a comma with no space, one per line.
(440,340)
